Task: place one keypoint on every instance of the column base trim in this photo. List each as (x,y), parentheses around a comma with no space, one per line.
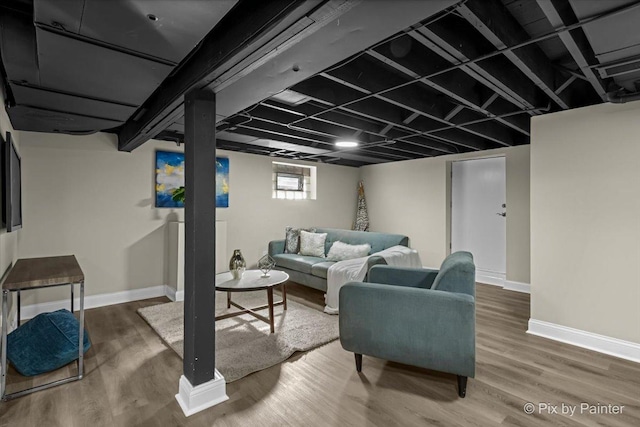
(195,399)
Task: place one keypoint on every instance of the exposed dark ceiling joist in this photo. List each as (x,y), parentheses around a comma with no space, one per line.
(243,31)
(381,110)
(398,150)
(466,77)
(82,66)
(560,14)
(447,41)
(304,26)
(472,87)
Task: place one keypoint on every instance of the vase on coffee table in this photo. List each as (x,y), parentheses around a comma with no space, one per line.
(237,264)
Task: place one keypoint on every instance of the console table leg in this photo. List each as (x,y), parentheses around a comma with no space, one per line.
(81,333)
(270,298)
(72,297)
(5,308)
(18,314)
(228,299)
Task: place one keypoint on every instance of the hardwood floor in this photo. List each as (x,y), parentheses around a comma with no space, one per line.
(132,377)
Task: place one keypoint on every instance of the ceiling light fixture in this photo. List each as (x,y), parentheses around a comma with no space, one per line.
(346,144)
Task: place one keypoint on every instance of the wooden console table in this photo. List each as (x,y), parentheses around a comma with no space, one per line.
(36,273)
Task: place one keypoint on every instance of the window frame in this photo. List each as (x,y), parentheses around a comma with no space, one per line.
(300,178)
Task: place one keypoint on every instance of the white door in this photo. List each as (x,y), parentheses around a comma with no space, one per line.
(478,215)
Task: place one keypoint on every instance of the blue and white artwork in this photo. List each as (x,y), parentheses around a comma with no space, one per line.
(170,180)
(222,182)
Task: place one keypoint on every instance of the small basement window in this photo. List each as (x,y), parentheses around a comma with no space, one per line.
(289,181)
(294,182)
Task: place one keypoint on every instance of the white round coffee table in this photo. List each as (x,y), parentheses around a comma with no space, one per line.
(253,280)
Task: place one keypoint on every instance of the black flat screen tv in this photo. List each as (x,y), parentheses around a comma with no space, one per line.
(11,186)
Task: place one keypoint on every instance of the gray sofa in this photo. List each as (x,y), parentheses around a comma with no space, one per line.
(312,271)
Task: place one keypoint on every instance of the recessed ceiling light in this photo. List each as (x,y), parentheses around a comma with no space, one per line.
(346,144)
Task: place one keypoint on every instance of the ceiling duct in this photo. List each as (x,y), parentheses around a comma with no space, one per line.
(621,95)
(621,98)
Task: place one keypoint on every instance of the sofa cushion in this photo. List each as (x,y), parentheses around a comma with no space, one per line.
(312,244)
(292,239)
(301,263)
(321,269)
(342,251)
(46,342)
(378,241)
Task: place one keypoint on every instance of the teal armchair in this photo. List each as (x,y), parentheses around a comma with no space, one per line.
(418,317)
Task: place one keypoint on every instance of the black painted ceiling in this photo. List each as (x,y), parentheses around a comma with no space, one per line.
(466,79)
(76,66)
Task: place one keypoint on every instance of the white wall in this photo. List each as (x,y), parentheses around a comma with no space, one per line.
(585,219)
(412,198)
(82,196)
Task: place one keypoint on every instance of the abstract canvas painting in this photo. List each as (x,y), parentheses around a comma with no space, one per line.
(222,182)
(170,180)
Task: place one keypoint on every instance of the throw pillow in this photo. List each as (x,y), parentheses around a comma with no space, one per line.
(312,244)
(292,239)
(341,251)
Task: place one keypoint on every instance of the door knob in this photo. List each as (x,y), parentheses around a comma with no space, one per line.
(501,213)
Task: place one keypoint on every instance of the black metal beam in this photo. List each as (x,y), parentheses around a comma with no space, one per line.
(354,99)
(561,14)
(200,237)
(420,100)
(389,113)
(467,95)
(242,31)
(494,21)
(451,50)
(372,131)
(453,45)
(265,129)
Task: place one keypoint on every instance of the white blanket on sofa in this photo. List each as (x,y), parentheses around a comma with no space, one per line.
(354,270)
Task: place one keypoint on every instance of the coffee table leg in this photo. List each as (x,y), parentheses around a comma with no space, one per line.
(284,295)
(270,298)
(228,299)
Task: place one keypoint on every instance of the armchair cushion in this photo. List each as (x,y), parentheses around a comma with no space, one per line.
(411,277)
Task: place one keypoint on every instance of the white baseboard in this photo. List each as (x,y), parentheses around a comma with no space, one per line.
(169,292)
(490,277)
(179,296)
(511,285)
(93,301)
(600,343)
(195,399)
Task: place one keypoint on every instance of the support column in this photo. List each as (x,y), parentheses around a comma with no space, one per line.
(201,386)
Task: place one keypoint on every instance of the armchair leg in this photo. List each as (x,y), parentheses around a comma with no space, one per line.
(462,386)
(358,362)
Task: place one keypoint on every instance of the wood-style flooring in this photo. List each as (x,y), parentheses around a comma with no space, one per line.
(132,377)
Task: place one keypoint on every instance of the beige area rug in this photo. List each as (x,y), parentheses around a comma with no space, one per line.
(244,344)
